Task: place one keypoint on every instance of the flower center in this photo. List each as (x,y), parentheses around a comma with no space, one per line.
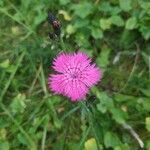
(74,75)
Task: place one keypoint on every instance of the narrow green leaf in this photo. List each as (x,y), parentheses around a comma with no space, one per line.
(147,122)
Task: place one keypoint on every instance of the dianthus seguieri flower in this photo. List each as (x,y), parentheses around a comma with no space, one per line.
(75,75)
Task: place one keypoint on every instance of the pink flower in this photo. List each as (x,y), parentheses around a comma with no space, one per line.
(75,75)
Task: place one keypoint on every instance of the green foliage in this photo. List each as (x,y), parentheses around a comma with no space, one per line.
(106,103)
(97,33)
(125,5)
(115,34)
(91,144)
(4,145)
(105,23)
(148,145)
(117,20)
(4,64)
(83,9)
(103,59)
(111,140)
(18,104)
(131,23)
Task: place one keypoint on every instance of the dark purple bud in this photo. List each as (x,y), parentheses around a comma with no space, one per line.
(55,23)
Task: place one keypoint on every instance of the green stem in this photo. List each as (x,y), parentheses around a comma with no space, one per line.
(62,44)
(91,122)
(70,112)
(44,138)
(85,134)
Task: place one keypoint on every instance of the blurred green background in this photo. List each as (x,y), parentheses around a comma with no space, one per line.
(116,35)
